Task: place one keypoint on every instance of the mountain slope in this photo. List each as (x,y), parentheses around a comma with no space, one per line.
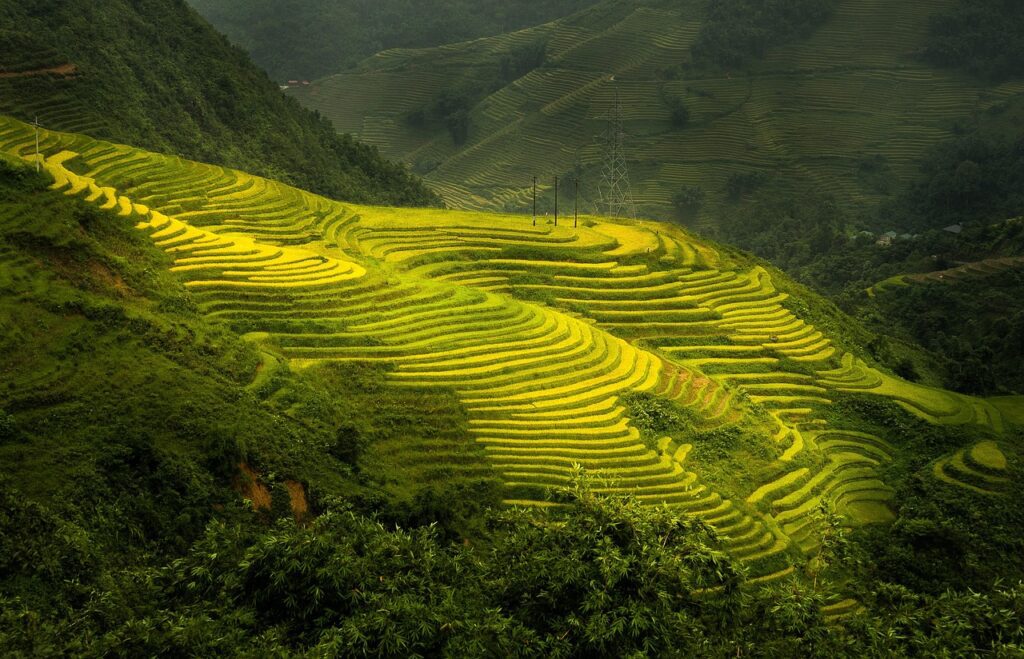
(674,370)
(313,38)
(849,110)
(155,74)
(135,419)
(969,313)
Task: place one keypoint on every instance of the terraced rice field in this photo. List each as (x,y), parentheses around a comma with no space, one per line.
(540,331)
(981,468)
(816,109)
(951,276)
(41,83)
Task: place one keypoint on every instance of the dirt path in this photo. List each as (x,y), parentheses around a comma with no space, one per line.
(62,70)
(971,270)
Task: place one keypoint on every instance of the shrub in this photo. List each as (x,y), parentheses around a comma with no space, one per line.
(8,427)
(689,199)
(654,415)
(736,31)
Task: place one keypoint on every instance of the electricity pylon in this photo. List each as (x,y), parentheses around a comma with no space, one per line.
(614,193)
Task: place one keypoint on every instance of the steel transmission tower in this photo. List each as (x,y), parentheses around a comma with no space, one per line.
(616,198)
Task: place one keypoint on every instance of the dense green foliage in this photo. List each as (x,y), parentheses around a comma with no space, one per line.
(985,38)
(737,31)
(978,176)
(943,537)
(976,326)
(600,578)
(313,38)
(154,74)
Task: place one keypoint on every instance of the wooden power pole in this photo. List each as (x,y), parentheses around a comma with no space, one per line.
(36,124)
(576,207)
(556,201)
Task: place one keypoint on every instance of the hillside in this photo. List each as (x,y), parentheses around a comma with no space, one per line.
(848,111)
(312,38)
(424,364)
(966,308)
(642,316)
(156,75)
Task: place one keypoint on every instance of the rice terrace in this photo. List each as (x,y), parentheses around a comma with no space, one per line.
(451,299)
(265,392)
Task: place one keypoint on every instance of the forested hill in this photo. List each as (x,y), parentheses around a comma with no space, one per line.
(156,74)
(313,38)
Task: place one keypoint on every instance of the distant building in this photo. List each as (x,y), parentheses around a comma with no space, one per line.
(293,82)
(886,239)
(305,83)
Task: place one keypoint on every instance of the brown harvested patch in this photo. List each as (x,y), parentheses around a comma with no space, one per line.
(250,487)
(93,274)
(110,278)
(698,389)
(298,500)
(62,70)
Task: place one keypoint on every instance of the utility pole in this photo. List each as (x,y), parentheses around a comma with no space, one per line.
(534,201)
(556,201)
(36,124)
(576,207)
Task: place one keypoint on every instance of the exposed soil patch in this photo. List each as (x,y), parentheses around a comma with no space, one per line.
(92,274)
(110,278)
(298,500)
(249,486)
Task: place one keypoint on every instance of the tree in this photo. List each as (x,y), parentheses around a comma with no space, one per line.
(834,549)
(967,181)
(689,199)
(743,183)
(679,114)
(609,576)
